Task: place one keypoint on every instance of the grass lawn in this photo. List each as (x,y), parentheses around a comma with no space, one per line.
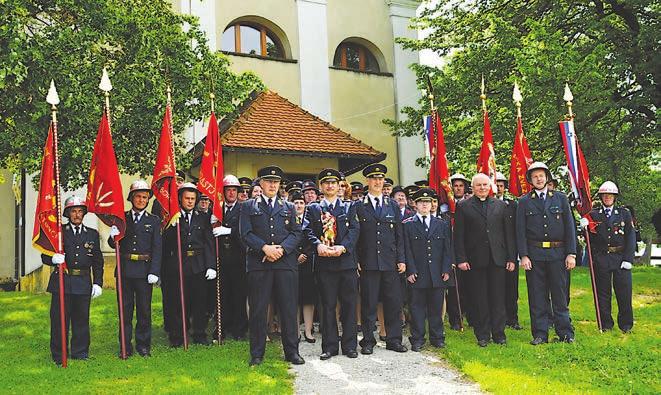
(609,362)
(26,367)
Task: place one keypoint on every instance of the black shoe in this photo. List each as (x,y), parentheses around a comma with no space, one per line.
(327,355)
(351,354)
(382,338)
(538,340)
(455,327)
(82,357)
(626,330)
(502,341)
(295,359)
(144,352)
(254,361)
(203,341)
(483,343)
(438,345)
(367,350)
(516,326)
(309,339)
(397,347)
(564,339)
(416,347)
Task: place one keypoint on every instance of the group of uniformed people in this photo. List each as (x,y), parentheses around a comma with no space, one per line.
(350,249)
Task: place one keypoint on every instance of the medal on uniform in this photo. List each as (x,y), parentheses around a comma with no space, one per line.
(328,229)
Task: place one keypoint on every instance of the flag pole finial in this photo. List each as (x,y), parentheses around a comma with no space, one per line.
(568,98)
(212,97)
(169,93)
(516,96)
(106,87)
(483,95)
(53,99)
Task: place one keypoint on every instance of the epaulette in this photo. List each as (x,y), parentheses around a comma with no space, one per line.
(409,219)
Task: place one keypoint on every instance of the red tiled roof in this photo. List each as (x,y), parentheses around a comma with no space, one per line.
(272,123)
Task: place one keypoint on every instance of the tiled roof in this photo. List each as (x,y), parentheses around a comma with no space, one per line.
(271,123)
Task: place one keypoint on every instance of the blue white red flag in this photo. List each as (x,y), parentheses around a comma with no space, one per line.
(578,167)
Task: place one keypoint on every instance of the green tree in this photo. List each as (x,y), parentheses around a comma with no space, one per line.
(145,45)
(608,52)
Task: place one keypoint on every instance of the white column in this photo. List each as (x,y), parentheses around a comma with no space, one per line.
(313,57)
(406,91)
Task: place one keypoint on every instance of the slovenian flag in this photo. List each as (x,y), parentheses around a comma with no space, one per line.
(578,167)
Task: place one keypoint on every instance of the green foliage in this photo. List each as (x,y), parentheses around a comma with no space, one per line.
(607,51)
(145,45)
(25,363)
(609,362)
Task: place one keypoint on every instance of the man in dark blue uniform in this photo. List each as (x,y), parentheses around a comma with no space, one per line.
(83,256)
(428,263)
(381,255)
(511,278)
(613,245)
(141,266)
(546,241)
(198,264)
(269,229)
(333,230)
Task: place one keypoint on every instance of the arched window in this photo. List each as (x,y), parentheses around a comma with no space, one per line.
(354,56)
(253,39)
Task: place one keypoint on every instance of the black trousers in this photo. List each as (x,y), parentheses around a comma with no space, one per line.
(76,316)
(262,284)
(371,282)
(234,292)
(136,295)
(488,301)
(195,294)
(512,296)
(620,280)
(548,277)
(426,304)
(342,285)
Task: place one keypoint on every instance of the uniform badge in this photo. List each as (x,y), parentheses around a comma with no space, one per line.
(392,226)
(286,222)
(147,226)
(89,245)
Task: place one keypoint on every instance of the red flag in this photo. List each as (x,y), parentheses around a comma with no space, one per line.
(439,174)
(45,233)
(164,183)
(486,162)
(104,188)
(519,163)
(578,167)
(211,168)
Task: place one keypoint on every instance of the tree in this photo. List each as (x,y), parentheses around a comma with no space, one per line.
(608,51)
(145,45)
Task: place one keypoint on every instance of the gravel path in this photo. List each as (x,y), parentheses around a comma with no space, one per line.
(384,372)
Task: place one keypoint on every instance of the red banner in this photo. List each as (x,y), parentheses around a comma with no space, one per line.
(45,232)
(439,173)
(164,183)
(210,182)
(104,187)
(486,162)
(519,163)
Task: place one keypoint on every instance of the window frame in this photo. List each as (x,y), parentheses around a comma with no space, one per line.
(263,35)
(362,58)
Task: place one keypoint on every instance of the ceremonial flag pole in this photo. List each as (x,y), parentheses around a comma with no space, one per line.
(486,161)
(439,174)
(47,177)
(211,184)
(580,183)
(521,158)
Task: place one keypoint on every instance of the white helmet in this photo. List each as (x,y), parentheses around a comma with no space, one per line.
(71,202)
(139,186)
(500,176)
(231,181)
(608,187)
(459,176)
(537,166)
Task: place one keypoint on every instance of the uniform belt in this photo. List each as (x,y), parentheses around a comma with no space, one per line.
(546,244)
(137,257)
(615,249)
(76,272)
(193,252)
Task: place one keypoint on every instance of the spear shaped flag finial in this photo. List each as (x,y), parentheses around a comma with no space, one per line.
(516,94)
(568,95)
(105,84)
(52,98)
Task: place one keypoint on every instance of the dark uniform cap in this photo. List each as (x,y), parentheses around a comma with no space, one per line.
(294,187)
(422,183)
(410,190)
(388,182)
(270,172)
(342,177)
(296,196)
(375,170)
(245,182)
(309,185)
(396,189)
(181,174)
(356,187)
(329,175)
(423,194)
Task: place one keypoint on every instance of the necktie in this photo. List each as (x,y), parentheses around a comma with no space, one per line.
(608,212)
(269,203)
(330,208)
(77,230)
(424,221)
(228,209)
(136,217)
(378,206)
(188,218)
(541,196)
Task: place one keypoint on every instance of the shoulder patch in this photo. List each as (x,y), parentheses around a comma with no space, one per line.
(409,219)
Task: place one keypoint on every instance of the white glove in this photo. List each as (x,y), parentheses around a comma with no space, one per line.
(211,274)
(221,231)
(584,223)
(58,259)
(96,291)
(114,231)
(214,219)
(152,279)
(625,265)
